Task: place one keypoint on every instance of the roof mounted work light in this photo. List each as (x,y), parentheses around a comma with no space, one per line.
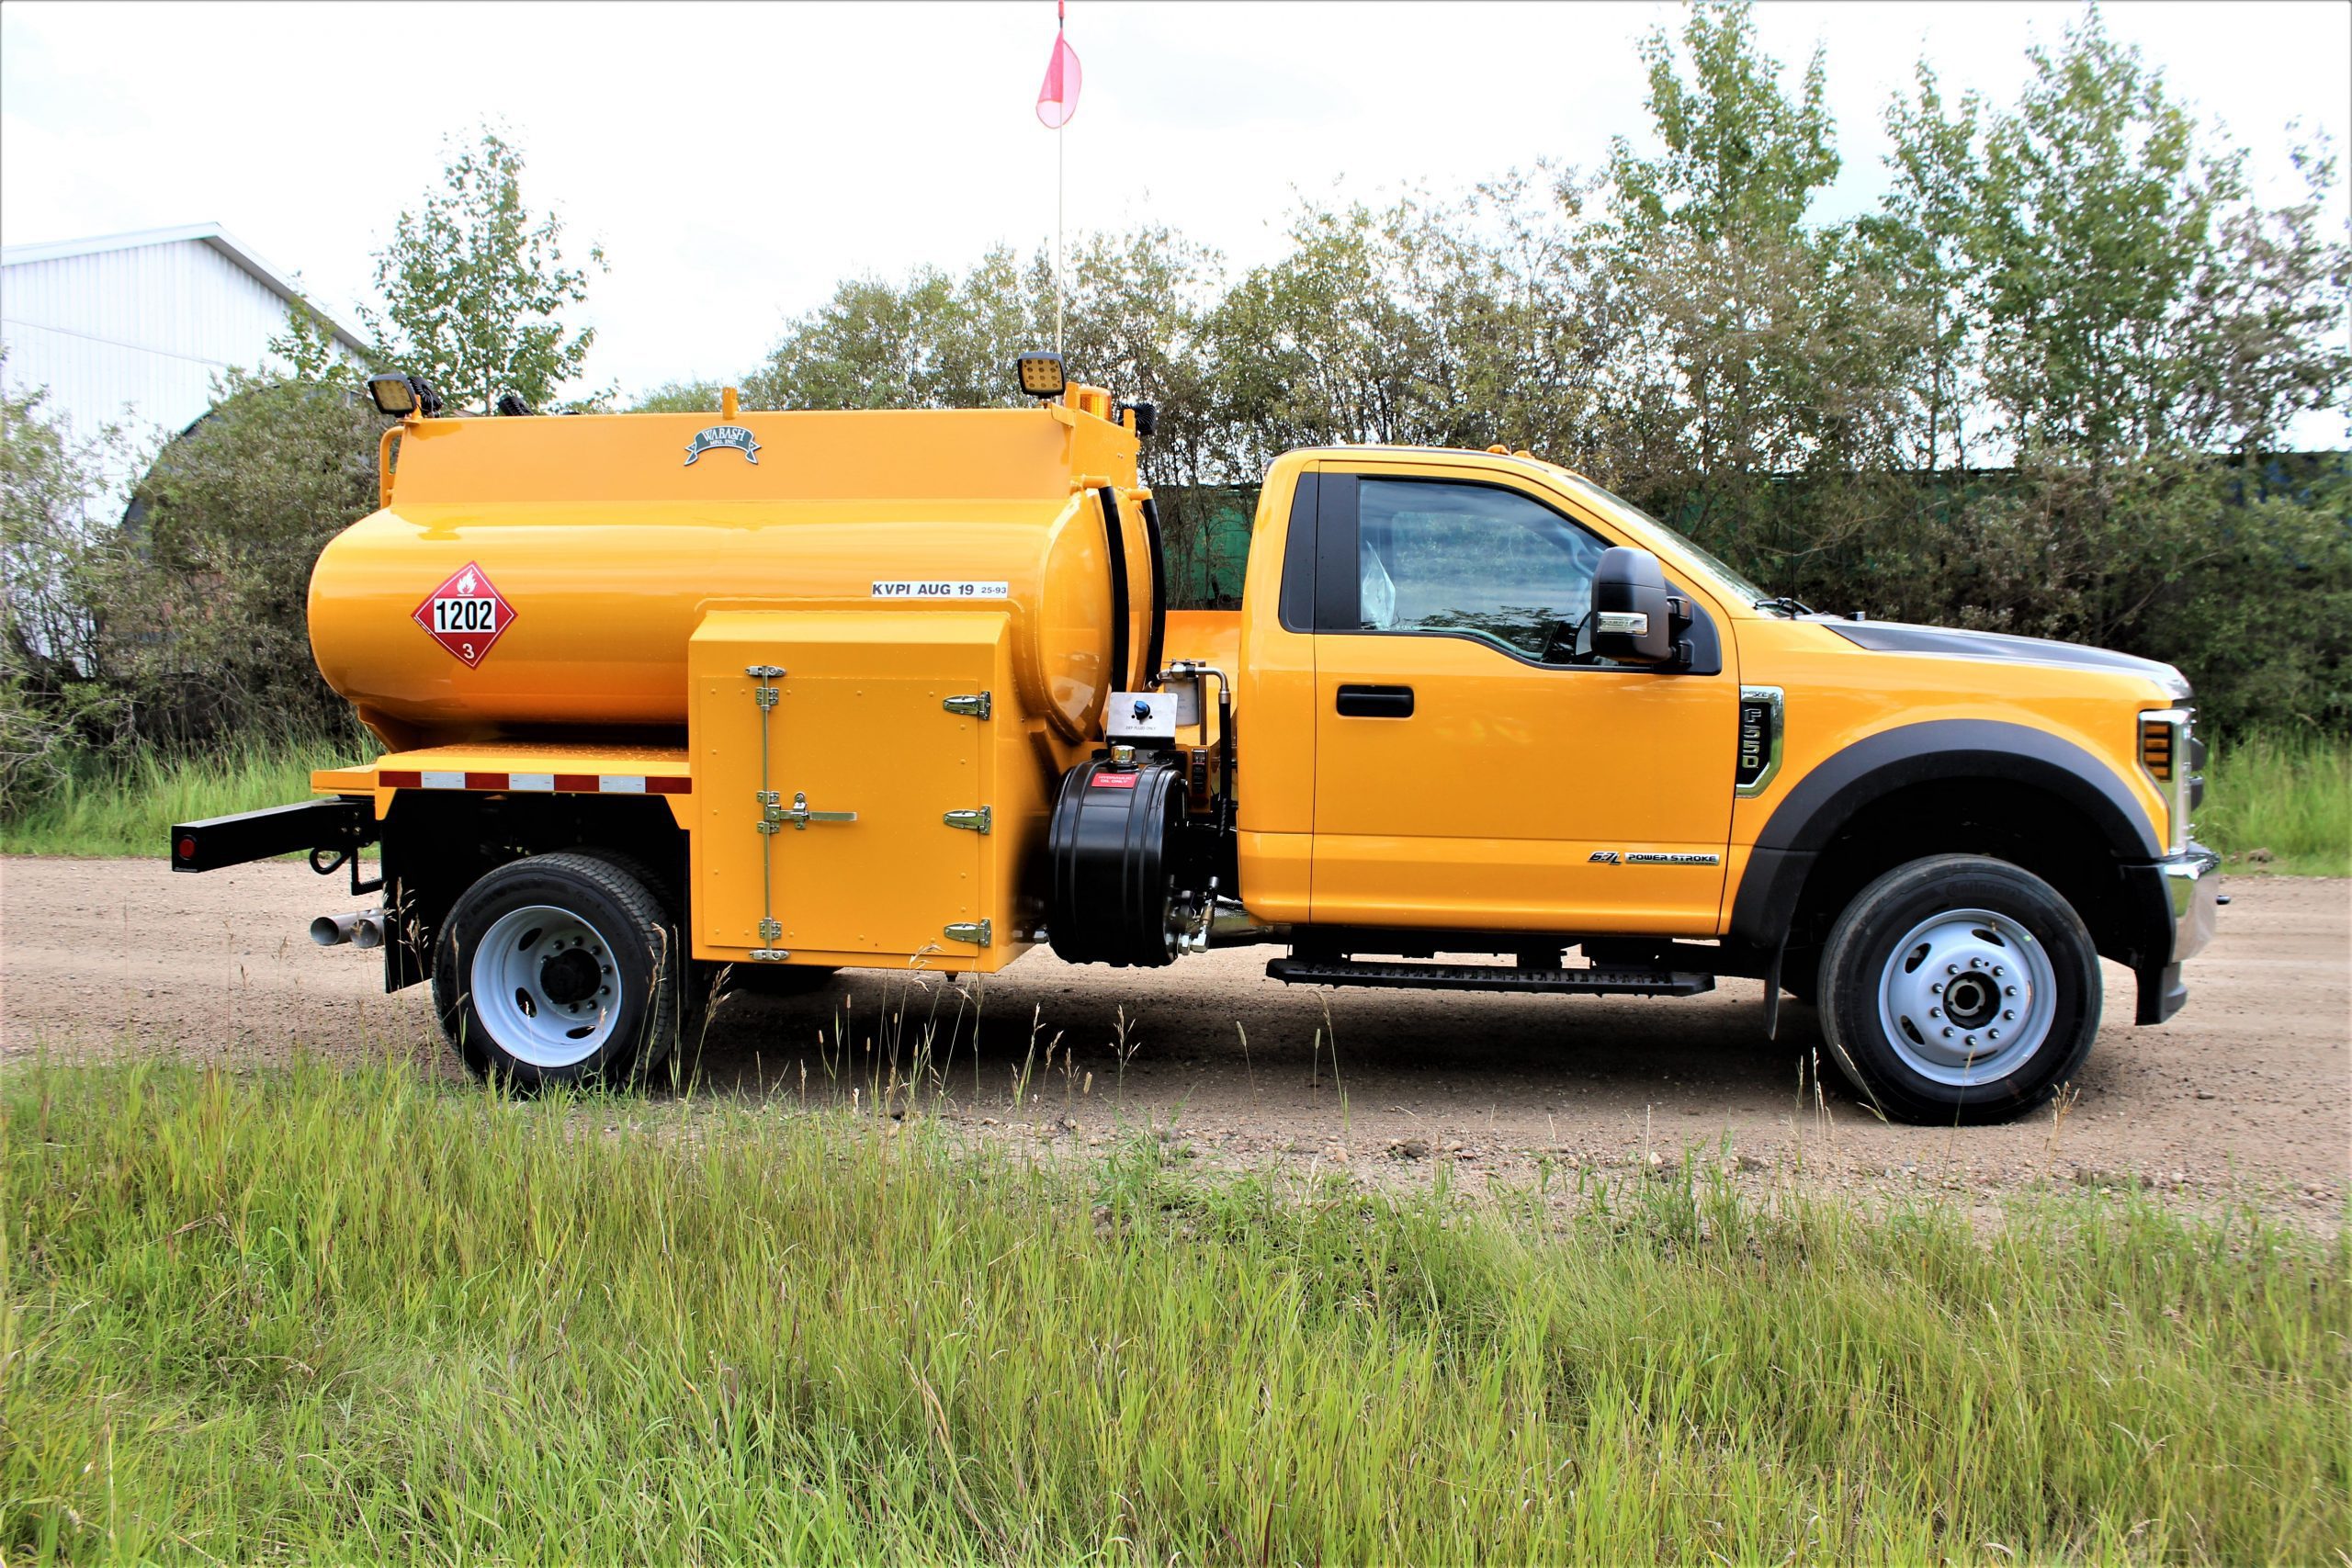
(401,396)
(1041,374)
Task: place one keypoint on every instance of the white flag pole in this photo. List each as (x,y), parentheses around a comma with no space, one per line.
(1061,167)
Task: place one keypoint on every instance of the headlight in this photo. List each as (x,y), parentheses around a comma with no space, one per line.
(2173,757)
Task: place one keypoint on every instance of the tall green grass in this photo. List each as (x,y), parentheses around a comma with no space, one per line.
(2287,794)
(128,808)
(321,1315)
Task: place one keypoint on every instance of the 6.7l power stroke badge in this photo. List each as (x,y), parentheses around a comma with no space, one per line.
(466,614)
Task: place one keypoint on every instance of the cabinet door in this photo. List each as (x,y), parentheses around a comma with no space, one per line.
(1472,770)
(825,808)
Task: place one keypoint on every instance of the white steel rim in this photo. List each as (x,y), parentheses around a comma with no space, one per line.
(545,986)
(1967,997)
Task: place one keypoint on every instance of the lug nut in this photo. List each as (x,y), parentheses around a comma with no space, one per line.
(1951,968)
(2008,1017)
(2008,990)
(1935,1012)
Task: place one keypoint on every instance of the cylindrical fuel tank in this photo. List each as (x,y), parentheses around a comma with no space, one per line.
(541,574)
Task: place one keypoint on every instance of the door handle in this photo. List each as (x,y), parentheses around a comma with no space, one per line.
(1376,702)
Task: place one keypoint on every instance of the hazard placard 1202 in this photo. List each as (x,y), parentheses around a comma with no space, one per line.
(466,614)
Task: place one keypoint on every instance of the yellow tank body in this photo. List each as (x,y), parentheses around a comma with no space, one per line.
(609,547)
(852,652)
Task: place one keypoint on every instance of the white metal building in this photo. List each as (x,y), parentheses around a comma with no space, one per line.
(131,328)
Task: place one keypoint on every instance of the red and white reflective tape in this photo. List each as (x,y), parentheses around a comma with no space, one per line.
(541,783)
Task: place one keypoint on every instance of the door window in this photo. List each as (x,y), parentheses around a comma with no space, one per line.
(1472,559)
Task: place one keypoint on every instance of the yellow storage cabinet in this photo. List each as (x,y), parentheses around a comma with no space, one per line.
(862,783)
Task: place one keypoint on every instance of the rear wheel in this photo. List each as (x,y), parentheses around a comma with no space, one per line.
(1959,988)
(559,969)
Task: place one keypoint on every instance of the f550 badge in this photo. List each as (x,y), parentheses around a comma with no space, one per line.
(466,614)
(732,437)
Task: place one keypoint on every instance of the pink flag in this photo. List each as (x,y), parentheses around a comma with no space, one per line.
(1058,98)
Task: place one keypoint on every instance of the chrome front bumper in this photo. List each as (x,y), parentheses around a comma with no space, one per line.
(2193,882)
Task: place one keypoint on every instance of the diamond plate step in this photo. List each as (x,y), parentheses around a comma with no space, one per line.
(1589,981)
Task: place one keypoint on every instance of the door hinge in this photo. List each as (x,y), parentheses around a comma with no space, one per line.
(976,933)
(763,693)
(771,932)
(976,705)
(976,819)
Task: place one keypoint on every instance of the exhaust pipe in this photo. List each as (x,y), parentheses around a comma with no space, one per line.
(363,930)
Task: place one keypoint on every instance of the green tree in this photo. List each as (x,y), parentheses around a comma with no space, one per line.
(935,341)
(2265,321)
(1136,321)
(1766,331)
(1443,322)
(474,287)
(311,353)
(1742,158)
(202,614)
(52,555)
(679,397)
(1919,243)
(2098,217)
(1754,346)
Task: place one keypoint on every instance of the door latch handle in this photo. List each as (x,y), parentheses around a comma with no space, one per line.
(773,815)
(1376,702)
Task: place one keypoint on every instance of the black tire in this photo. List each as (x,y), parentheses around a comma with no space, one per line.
(633,951)
(1906,947)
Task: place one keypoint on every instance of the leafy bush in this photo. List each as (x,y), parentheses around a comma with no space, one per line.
(203,617)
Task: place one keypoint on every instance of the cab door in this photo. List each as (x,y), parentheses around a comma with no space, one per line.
(1471,770)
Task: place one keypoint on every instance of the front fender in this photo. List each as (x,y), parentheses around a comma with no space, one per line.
(1822,803)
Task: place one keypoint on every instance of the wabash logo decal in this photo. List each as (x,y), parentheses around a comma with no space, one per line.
(466,614)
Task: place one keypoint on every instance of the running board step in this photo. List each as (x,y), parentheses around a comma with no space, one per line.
(1593,980)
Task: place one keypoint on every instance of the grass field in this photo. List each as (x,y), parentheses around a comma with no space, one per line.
(2289,795)
(129,810)
(326,1315)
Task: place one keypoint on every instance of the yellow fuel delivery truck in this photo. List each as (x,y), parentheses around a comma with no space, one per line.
(793,693)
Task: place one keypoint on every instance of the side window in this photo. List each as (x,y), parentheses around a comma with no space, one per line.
(1488,562)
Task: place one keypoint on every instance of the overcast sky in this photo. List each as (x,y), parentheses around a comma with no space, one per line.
(736,161)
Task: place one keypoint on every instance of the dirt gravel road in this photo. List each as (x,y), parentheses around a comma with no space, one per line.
(2246,1096)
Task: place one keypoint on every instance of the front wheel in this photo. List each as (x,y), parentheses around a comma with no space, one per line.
(1959,988)
(559,969)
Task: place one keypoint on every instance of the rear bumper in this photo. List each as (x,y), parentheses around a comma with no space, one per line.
(336,827)
(2191,883)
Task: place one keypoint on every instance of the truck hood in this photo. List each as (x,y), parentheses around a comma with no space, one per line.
(1949,642)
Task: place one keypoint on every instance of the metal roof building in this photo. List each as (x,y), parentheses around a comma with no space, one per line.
(133,329)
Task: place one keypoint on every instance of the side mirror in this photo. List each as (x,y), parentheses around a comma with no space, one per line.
(1633,619)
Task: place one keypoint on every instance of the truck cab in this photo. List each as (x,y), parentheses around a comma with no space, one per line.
(1451,750)
(860,690)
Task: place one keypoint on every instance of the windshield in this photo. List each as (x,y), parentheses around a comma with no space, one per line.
(1729,581)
